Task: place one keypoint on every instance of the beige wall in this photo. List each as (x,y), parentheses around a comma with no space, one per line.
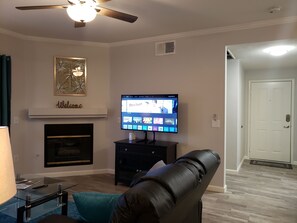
(32,86)
(135,69)
(196,72)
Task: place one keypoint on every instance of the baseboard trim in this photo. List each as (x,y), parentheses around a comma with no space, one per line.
(231,171)
(243,159)
(69,173)
(239,166)
(213,188)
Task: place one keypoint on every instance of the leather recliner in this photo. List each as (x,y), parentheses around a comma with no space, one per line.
(170,194)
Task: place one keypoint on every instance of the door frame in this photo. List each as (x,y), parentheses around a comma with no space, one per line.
(292,113)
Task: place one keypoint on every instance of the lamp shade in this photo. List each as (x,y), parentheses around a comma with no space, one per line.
(7,177)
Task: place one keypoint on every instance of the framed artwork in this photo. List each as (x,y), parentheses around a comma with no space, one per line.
(70,76)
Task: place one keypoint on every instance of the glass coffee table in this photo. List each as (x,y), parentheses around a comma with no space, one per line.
(44,195)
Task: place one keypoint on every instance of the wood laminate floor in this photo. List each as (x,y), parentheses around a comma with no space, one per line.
(256,194)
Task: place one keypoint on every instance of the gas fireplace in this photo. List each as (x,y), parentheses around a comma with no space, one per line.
(68,144)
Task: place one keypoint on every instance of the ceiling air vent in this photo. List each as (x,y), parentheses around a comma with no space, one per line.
(165,48)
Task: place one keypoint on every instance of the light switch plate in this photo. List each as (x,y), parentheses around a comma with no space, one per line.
(215,123)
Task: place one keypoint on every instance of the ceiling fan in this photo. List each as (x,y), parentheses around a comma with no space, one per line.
(83,11)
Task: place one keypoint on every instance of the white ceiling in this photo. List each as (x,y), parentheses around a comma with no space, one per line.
(252,56)
(155,18)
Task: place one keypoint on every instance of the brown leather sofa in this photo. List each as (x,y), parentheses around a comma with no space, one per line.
(170,194)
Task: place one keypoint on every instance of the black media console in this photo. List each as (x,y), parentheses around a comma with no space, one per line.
(133,157)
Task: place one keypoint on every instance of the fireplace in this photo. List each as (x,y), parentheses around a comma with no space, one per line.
(68,144)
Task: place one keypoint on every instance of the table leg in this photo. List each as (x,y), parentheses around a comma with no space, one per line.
(28,207)
(25,209)
(65,202)
(20,214)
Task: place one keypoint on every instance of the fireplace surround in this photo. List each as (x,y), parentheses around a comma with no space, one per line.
(68,144)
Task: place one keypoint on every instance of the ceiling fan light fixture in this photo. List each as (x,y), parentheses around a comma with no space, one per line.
(278,50)
(81,13)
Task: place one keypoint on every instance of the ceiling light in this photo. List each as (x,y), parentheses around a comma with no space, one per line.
(278,50)
(81,13)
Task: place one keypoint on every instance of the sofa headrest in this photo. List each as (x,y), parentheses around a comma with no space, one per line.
(148,197)
(176,178)
(205,158)
(193,166)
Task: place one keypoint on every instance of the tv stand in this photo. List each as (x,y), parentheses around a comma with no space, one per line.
(154,138)
(133,157)
(145,138)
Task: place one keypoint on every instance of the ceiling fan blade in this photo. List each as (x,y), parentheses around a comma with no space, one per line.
(116,14)
(102,1)
(79,24)
(42,7)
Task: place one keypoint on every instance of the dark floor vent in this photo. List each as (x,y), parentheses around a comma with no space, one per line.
(271,164)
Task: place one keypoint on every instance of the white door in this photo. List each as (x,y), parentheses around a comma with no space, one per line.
(270,121)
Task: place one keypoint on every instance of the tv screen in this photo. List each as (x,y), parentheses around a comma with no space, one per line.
(150,113)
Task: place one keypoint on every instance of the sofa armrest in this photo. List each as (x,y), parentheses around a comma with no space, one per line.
(137,177)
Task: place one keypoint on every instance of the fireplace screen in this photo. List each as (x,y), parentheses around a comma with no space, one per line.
(68,144)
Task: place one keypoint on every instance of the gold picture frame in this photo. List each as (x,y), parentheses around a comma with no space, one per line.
(70,76)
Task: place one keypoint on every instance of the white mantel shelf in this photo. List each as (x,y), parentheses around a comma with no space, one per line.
(67,113)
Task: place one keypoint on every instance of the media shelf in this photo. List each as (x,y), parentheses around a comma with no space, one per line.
(133,157)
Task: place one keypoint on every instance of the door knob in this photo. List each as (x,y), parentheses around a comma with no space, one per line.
(286,127)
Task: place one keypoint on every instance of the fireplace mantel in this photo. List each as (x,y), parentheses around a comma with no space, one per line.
(67,113)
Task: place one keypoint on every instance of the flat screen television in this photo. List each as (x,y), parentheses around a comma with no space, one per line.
(150,113)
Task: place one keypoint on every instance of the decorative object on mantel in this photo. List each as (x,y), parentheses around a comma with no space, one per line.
(63,104)
(70,76)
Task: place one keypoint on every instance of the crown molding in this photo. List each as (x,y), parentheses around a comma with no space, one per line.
(216,30)
(200,32)
(51,40)
(11,33)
